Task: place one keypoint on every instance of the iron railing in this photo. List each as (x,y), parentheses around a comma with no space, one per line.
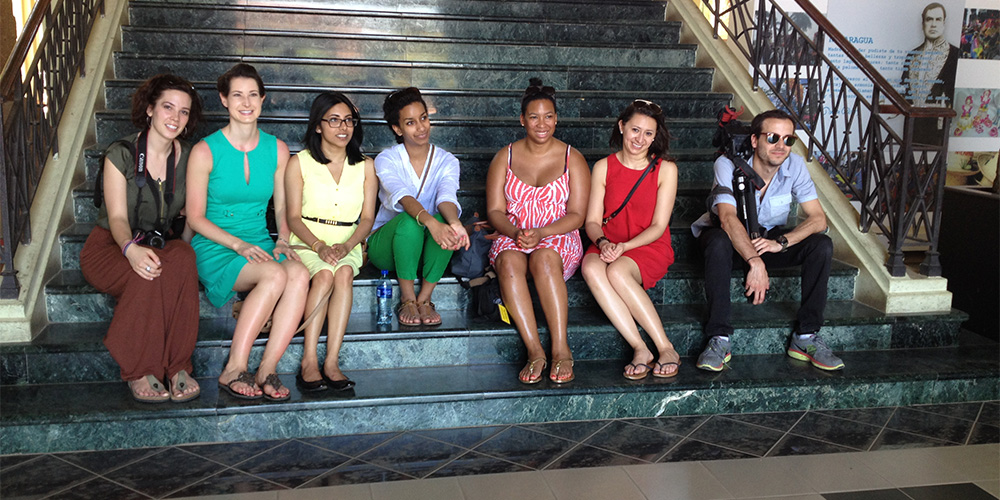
(899,183)
(36,98)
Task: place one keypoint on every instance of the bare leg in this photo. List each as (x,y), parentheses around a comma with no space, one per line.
(547,270)
(596,273)
(407,315)
(317,298)
(266,282)
(512,271)
(624,276)
(287,316)
(337,316)
(427,313)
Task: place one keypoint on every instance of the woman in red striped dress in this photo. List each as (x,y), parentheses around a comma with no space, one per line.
(536,197)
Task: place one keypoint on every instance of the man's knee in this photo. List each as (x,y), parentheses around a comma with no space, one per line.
(716,245)
(818,246)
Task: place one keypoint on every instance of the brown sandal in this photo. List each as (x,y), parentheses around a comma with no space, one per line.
(415,312)
(426,318)
(531,368)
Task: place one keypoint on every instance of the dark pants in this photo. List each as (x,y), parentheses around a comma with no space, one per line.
(813,253)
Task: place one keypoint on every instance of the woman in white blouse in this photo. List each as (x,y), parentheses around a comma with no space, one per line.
(417,226)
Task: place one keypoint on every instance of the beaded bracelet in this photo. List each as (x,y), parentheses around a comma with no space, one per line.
(597,243)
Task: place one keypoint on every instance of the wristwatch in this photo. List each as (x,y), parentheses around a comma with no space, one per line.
(783,241)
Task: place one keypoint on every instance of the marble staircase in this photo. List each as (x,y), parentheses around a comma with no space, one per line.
(471,58)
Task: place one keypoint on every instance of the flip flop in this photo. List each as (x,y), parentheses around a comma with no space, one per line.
(637,376)
(531,368)
(245,378)
(662,365)
(275,383)
(182,385)
(554,374)
(155,385)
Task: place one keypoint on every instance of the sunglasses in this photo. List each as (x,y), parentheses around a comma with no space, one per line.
(649,104)
(773,138)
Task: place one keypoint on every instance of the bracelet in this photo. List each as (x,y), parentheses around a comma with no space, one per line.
(418,217)
(599,240)
(754,257)
(282,240)
(317,242)
(130,242)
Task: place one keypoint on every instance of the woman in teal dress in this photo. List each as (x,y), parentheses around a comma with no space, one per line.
(232,174)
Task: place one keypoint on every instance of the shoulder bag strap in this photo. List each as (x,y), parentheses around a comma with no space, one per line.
(628,197)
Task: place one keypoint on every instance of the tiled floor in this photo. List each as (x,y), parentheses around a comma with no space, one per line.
(917,452)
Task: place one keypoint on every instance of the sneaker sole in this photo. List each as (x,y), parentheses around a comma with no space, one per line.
(801,356)
(718,368)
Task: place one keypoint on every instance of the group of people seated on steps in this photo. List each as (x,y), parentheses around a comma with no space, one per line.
(173,215)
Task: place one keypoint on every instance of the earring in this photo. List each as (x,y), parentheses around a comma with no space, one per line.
(149,120)
(185,130)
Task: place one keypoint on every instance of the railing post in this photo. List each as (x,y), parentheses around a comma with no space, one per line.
(9,287)
(931,265)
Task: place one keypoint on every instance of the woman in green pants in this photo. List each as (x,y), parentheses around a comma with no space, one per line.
(417,226)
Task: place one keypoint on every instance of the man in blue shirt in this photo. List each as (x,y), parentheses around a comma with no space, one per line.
(726,244)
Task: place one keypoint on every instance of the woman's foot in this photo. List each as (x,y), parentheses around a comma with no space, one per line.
(562,371)
(668,364)
(272,388)
(640,366)
(409,313)
(428,313)
(337,381)
(148,390)
(183,387)
(532,372)
(240,384)
(309,378)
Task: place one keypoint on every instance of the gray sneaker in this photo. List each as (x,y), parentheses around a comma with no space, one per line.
(815,351)
(716,355)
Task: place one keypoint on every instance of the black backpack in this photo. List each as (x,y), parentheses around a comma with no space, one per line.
(733,140)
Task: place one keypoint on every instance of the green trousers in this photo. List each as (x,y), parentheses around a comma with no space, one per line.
(403,245)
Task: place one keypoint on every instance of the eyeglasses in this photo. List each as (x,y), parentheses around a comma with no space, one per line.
(649,104)
(773,138)
(335,122)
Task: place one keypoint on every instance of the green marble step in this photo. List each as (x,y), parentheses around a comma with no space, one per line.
(69,298)
(357,72)
(101,415)
(485,132)
(500,25)
(418,50)
(73,352)
(447,103)
(550,10)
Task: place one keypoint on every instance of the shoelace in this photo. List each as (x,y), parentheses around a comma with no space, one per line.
(716,346)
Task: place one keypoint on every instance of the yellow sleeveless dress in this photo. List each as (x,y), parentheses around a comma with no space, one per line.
(323,198)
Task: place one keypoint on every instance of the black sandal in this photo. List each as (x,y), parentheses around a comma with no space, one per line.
(275,383)
(245,378)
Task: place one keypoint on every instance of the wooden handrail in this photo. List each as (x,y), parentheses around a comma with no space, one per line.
(898,104)
(10,74)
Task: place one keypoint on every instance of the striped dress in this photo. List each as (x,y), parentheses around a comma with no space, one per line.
(530,207)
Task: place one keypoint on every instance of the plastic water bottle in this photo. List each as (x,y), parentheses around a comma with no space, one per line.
(383,294)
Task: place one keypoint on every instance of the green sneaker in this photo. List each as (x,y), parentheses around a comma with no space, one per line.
(815,351)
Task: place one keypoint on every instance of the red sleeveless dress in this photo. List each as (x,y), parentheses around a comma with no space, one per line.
(653,259)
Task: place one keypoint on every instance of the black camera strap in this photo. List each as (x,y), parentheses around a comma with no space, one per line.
(142,177)
(645,172)
(746,198)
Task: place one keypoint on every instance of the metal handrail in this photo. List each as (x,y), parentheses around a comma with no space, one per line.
(37,98)
(899,183)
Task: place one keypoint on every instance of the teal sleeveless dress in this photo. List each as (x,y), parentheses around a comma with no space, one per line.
(237,207)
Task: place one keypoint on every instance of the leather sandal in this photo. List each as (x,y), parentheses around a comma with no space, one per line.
(182,385)
(155,385)
(243,378)
(426,318)
(556,367)
(416,313)
(275,383)
(531,368)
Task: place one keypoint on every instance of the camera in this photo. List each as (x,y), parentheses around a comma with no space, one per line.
(153,238)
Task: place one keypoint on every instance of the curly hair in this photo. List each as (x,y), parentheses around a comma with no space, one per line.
(151,90)
(395,102)
(661,140)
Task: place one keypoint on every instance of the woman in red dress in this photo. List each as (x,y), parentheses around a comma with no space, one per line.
(632,251)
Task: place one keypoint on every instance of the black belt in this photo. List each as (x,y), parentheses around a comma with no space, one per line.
(329,222)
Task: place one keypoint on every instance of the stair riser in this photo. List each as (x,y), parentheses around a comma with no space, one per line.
(298,102)
(510,77)
(450,135)
(549,10)
(262,45)
(291,420)
(535,30)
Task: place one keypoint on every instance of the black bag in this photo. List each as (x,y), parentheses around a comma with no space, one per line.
(472,263)
(733,140)
(485,294)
